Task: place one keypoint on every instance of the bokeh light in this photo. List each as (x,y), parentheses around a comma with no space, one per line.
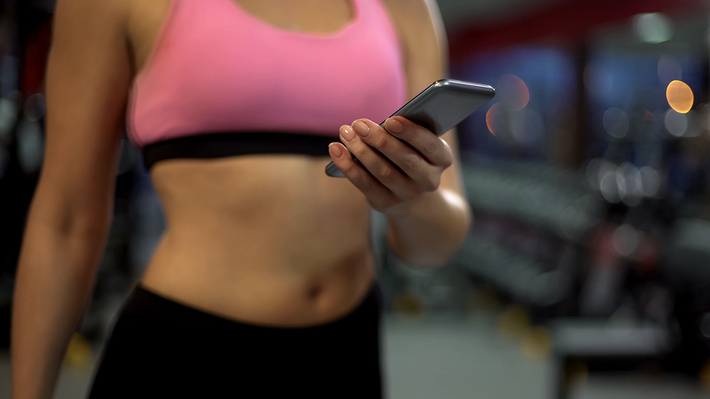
(34,107)
(609,187)
(625,240)
(620,184)
(30,146)
(653,27)
(680,96)
(597,169)
(616,122)
(676,124)
(492,116)
(512,92)
(634,184)
(651,181)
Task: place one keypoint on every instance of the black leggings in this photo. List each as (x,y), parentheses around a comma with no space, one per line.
(163,349)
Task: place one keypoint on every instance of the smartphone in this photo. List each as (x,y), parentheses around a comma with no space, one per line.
(439,107)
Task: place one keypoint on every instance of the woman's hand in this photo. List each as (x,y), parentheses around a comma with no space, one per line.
(420,158)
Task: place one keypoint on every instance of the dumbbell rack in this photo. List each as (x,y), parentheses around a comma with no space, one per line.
(527,240)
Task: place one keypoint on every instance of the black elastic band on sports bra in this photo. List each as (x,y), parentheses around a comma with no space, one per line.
(218,145)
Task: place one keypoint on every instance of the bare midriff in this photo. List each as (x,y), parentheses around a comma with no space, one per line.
(262,239)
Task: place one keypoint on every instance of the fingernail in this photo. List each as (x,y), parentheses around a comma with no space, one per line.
(347,133)
(393,125)
(361,128)
(335,150)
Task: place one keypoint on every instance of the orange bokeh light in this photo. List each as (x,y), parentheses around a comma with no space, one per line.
(513,92)
(680,96)
(491,116)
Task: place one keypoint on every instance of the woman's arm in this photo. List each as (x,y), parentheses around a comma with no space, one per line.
(427,214)
(87,83)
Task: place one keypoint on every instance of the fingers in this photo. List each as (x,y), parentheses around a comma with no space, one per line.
(379,196)
(387,174)
(432,147)
(372,143)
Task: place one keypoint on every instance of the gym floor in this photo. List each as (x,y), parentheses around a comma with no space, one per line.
(453,357)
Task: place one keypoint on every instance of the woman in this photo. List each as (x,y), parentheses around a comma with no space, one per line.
(265,268)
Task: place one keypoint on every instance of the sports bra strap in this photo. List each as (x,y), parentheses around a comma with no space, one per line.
(217,145)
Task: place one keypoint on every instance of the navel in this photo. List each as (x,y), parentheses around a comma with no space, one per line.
(315,292)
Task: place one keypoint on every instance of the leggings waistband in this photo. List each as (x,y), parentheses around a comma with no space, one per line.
(143,300)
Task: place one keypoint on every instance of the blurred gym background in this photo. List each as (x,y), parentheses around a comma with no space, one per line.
(586,273)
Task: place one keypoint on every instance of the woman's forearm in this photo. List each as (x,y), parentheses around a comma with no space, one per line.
(427,231)
(54,281)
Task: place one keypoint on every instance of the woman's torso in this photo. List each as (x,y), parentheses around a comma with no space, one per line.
(268,239)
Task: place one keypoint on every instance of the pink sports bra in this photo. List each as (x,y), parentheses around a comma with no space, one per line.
(221,82)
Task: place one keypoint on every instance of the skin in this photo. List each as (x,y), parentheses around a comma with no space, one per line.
(293,252)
